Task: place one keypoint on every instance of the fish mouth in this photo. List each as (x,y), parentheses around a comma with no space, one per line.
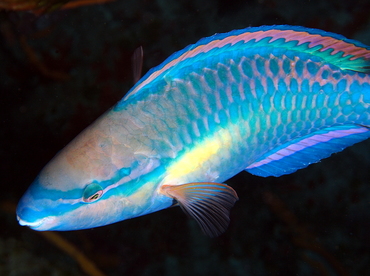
(41,224)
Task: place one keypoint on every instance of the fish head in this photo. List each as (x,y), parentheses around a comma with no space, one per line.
(93,181)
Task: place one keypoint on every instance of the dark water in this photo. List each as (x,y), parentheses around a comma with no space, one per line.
(61,70)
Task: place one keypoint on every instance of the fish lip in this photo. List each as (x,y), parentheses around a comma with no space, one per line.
(30,224)
(37,225)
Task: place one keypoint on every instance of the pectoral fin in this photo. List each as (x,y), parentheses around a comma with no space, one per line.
(208,203)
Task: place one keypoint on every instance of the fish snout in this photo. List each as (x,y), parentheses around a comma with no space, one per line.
(33,219)
(31,214)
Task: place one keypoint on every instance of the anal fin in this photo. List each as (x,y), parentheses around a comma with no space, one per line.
(301,152)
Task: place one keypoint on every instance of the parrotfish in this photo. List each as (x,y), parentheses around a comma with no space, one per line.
(267,100)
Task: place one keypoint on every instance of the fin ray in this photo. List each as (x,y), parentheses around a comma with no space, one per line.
(208,203)
(137,63)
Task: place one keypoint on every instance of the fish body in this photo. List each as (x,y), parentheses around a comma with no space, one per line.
(268,100)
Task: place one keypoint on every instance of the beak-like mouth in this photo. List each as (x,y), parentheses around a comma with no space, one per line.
(30,224)
(41,224)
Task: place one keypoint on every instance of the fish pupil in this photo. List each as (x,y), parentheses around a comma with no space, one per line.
(96,196)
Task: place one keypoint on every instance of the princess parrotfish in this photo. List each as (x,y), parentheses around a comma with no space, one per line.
(269,100)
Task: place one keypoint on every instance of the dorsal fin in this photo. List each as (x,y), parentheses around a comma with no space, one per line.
(137,63)
(345,53)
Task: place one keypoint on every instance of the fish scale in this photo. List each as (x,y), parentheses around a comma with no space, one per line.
(304,105)
(269,100)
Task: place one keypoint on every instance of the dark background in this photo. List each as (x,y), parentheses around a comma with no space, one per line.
(61,70)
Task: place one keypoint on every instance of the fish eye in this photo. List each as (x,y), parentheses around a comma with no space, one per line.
(92,193)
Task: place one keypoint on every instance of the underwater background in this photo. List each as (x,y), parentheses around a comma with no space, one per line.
(60,70)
